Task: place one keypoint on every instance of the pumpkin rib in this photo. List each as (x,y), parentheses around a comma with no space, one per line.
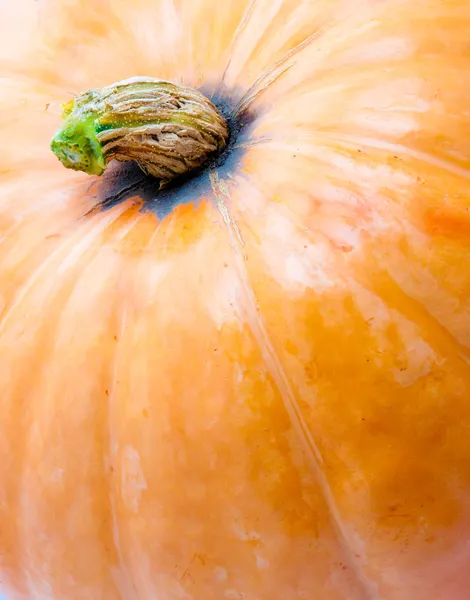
(238,32)
(395,148)
(252,31)
(23,535)
(273,74)
(286,141)
(123,579)
(122,576)
(314,459)
(23,508)
(107,514)
(85,264)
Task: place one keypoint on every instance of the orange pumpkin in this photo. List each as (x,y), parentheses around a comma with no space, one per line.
(255,384)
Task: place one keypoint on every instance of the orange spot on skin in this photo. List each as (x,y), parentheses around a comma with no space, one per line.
(449,221)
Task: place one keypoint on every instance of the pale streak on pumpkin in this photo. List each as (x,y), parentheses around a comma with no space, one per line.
(231,507)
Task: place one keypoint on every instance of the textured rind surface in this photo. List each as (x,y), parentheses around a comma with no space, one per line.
(264,394)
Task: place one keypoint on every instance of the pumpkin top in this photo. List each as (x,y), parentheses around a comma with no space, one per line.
(254,386)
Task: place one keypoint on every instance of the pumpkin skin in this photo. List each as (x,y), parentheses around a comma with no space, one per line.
(261,391)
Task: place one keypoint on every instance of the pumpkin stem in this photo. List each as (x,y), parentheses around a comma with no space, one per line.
(168,129)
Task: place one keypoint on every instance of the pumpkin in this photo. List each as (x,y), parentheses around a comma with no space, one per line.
(253,383)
